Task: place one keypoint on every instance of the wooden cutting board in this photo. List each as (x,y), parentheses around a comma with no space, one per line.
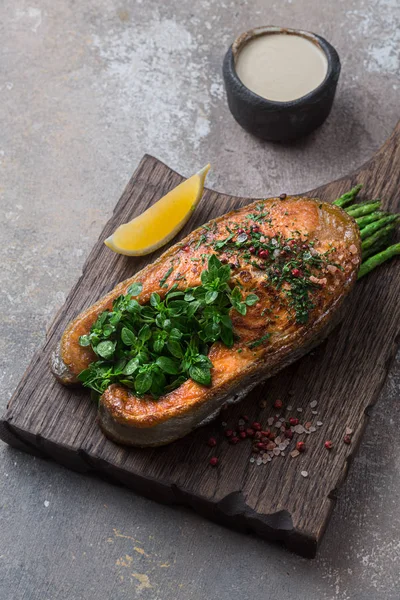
(344,375)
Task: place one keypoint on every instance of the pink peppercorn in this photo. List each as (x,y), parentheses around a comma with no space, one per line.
(255,228)
(295,272)
(278,404)
(301,446)
(293,421)
(347,439)
(240,230)
(234,440)
(263,254)
(252,250)
(250,432)
(256,426)
(243,435)
(258,435)
(214,461)
(186,248)
(212,442)
(228,432)
(328,444)
(289,433)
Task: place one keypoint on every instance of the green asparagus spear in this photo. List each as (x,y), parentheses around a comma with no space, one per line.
(379,245)
(370,241)
(378,259)
(363,221)
(348,196)
(359,210)
(372,228)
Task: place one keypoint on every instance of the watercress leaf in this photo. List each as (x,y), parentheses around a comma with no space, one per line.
(168,365)
(158,345)
(227,336)
(202,359)
(167,324)
(224,273)
(175,383)
(236,295)
(155,299)
(128,383)
(145,333)
(175,334)
(119,366)
(127,336)
(201,374)
(133,306)
(143,382)
(226,321)
(175,348)
(135,289)
(84,340)
(211,296)
(101,320)
(251,299)
(175,294)
(131,366)
(213,262)
(143,357)
(241,308)
(105,349)
(114,318)
(108,330)
(85,375)
(193,308)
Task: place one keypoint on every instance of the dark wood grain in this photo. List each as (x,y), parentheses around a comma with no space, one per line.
(345,376)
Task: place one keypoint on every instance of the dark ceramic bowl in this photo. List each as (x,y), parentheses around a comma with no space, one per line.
(280,121)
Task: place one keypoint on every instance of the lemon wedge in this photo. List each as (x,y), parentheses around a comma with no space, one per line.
(162,221)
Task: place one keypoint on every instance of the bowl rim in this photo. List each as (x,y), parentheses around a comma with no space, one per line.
(332,72)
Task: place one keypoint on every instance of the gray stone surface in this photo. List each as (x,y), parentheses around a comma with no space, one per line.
(86,88)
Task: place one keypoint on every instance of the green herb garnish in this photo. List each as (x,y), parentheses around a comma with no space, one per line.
(165,277)
(153,348)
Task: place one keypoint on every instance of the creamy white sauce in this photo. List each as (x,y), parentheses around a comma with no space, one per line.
(281,66)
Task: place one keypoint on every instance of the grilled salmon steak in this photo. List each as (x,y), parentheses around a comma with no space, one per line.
(298,256)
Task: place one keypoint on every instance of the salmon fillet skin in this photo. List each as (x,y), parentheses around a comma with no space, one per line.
(296,235)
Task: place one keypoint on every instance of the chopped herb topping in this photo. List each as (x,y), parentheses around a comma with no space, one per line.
(165,277)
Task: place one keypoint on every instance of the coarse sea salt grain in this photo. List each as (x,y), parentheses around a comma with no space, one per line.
(299,409)
(304,473)
(319,423)
(313,404)
(289,407)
